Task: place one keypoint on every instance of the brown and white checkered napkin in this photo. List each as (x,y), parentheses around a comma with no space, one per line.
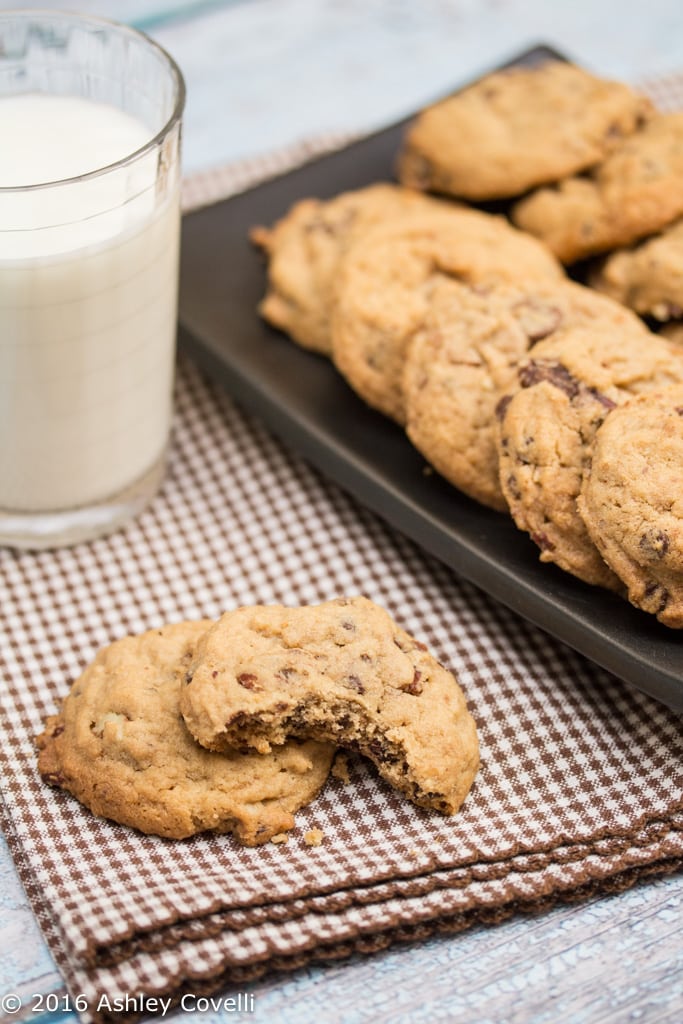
(580,789)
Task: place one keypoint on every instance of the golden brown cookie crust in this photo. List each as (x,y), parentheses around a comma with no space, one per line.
(632,500)
(120,746)
(342,671)
(382,295)
(567,388)
(465,358)
(636,191)
(647,277)
(304,249)
(516,129)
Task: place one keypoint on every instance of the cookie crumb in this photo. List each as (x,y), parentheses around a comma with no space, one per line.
(340,768)
(314,837)
(280,838)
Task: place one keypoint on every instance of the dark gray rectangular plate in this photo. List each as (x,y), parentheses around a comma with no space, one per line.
(306,403)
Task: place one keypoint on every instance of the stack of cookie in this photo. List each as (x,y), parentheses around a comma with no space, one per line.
(232,726)
(627,212)
(591,168)
(463,326)
(551,422)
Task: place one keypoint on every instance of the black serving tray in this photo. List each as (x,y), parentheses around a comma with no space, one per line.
(304,401)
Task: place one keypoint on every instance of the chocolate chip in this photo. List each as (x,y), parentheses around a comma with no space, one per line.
(543,541)
(415,686)
(351,626)
(536,371)
(501,406)
(214,674)
(354,683)
(536,319)
(513,487)
(286,672)
(376,749)
(655,543)
(239,716)
(248,680)
(189,676)
(654,591)
(602,399)
(57,731)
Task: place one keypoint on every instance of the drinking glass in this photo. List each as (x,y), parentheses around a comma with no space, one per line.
(89,243)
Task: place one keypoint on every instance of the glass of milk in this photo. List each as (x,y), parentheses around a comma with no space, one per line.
(90,126)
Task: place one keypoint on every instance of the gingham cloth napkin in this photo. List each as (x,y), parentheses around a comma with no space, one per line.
(581,785)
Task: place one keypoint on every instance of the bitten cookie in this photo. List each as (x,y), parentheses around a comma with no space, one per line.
(632,500)
(567,388)
(516,129)
(636,191)
(647,277)
(466,356)
(120,746)
(304,249)
(344,672)
(384,285)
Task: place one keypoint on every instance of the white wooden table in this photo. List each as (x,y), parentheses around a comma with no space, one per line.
(265,73)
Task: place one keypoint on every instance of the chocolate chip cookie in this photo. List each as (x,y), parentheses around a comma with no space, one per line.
(466,355)
(567,387)
(341,672)
(647,277)
(516,129)
(632,500)
(304,248)
(636,191)
(385,281)
(120,746)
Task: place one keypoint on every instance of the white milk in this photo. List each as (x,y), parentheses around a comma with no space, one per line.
(88,282)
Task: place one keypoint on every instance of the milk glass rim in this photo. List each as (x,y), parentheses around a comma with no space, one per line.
(35,14)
